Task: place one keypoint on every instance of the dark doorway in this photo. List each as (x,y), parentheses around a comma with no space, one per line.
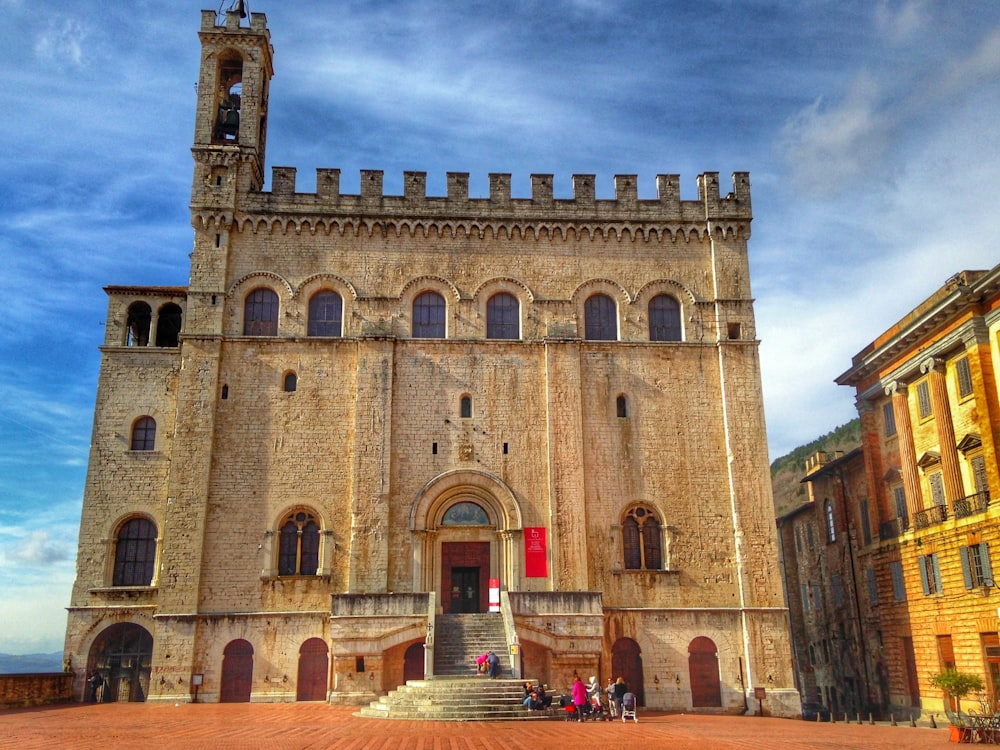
(626,662)
(237,672)
(703,670)
(413,662)
(121,656)
(465,570)
(464,583)
(313,668)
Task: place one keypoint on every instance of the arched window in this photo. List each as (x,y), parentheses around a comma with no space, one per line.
(831,526)
(600,318)
(503,315)
(298,550)
(260,313)
(291,382)
(168,325)
(664,318)
(466,407)
(135,553)
(326,311)
(642,540)
(622,406)
(143,434)
(137,323)
(428,316)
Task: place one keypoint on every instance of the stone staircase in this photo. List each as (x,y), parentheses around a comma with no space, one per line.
(459,639)
(454,699)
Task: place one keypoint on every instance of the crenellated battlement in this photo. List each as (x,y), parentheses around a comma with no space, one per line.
(583,205)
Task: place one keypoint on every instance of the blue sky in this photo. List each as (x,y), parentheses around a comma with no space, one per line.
(869,130)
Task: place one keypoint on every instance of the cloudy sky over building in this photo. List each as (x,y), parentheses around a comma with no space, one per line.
(868,128)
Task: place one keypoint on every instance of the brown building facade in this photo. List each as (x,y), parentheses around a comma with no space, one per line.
(363,409)
(928,535)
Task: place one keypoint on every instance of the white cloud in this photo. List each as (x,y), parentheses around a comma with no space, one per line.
(39,549)
(62,41)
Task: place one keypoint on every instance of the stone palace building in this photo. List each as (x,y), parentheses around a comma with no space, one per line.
(365,412)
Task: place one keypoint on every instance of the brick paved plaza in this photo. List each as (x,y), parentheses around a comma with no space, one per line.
(316,725)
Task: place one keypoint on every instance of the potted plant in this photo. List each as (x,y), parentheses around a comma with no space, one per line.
(957,684)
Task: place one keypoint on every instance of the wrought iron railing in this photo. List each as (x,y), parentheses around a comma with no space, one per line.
(971,504)
(930,516)
(892,529)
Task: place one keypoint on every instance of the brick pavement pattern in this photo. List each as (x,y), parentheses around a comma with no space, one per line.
(315,726)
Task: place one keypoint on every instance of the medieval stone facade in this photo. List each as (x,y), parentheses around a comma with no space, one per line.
(365,408)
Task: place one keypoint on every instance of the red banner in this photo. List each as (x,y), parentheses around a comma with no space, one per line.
(536,553)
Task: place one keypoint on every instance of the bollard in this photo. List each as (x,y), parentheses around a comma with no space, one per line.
(892,719)
(833,717)
(859,717)
(818,716)
(912,722)
(871,719)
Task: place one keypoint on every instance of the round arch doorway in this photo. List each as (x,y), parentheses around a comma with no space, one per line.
(121,656)
(464,523)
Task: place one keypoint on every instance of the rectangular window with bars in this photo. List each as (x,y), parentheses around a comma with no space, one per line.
(964,377)
(899,495)
(866,522)
(937,488)
(872,586)
(976,568)
(898,585)
(889,418)
(923,400)
(930,574)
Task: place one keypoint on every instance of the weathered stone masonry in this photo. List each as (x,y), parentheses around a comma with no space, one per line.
(383,432)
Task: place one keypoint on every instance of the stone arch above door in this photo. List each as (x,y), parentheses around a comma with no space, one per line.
(489,492)
(501,533)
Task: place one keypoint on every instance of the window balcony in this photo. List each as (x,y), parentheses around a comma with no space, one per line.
(930,516)
(893,529)
(971,504)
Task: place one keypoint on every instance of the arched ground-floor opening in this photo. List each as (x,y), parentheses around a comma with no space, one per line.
(626,662)
(314,670)
(237,672)
(119,664)
(703,671)
(413,662)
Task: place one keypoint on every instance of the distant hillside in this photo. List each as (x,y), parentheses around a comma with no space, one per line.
(787,471)
(30,663)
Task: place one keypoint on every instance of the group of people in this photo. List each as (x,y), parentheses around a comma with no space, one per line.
(535,698)
(587,698)
(488,664)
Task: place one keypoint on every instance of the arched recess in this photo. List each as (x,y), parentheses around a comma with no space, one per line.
(500,530)
(703,671)
(121,656)
(314,670)
(626,662)
(413,662)
(237,672)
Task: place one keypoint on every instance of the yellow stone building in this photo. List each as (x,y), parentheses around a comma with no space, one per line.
(927,528)
(365,409)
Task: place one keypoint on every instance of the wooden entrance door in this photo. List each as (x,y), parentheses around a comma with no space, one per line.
(703,671)
(626,662)
(464,581)
(465,570)
(313,669)
(237,672)
(413,662)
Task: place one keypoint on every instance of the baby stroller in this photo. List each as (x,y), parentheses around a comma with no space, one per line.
(628,707)
(598,712)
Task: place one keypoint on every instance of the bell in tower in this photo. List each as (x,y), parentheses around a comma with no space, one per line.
(231,121)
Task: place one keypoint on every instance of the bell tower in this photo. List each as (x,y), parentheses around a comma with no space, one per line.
(231,118)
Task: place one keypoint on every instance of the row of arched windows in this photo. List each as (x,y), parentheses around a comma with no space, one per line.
(299,545)
(429,315)
(139,325)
